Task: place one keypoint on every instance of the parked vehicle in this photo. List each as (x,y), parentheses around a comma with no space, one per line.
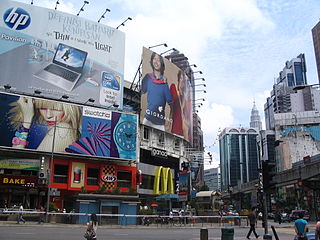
(294,215)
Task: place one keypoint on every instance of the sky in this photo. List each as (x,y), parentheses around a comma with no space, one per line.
(239,45)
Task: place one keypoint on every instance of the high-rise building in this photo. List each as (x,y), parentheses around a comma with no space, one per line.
(255,121)
(316,44)
(212,178)
(238,156)
(292,75)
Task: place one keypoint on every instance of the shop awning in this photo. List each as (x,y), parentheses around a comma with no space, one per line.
(167,197)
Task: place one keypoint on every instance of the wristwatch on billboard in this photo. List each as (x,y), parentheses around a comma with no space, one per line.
(124,136)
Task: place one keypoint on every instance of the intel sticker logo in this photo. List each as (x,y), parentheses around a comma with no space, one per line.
(17,18)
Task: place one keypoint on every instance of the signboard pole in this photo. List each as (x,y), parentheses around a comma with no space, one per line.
(50,169)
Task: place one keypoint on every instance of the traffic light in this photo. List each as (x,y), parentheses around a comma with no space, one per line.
(268,172)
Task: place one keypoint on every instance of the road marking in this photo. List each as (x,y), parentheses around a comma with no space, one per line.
(23,233)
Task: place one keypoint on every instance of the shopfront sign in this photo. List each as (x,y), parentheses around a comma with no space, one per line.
(163,181)
(25,181)
(159,153)
(108,178)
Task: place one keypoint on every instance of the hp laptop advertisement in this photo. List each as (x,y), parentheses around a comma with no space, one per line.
(54,54)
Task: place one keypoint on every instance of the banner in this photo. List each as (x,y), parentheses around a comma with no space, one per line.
(43,125)
(165,96)
(58,54)
(20,163)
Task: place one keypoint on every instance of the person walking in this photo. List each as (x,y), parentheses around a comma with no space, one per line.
(317,232)
(20,217)
(300,226)
(92,226)
(252,217)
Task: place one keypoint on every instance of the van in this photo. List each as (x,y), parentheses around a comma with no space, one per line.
(294,215)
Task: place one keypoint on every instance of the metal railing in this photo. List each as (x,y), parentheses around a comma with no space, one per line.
(31,215)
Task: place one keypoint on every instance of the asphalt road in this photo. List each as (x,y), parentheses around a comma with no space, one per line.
(75,232)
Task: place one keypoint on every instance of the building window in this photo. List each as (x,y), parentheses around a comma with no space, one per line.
(146,133)
(124,179)
(60,173)
(177,143)
(93,177)
(147,182)
(161,138)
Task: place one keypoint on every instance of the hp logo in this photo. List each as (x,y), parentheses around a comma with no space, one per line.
(17,18)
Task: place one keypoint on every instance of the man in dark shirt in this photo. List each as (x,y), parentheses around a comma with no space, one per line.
(252,220)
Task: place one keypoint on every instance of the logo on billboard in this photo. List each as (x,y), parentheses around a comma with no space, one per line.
(163,181)
(17,18)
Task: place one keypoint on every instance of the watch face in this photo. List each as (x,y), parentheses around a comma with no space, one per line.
(125,135)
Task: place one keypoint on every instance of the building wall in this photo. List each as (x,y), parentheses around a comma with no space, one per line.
(316,44)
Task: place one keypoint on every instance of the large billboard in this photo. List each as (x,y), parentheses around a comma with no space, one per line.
(59,54)
(165,96)
(50,126)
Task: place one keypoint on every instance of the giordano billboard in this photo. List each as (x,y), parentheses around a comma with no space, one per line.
(43,125)
(60,54)
(165,96)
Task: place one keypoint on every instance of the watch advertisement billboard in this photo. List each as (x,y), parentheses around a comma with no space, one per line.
(59,54)
(166,99)
(45,125)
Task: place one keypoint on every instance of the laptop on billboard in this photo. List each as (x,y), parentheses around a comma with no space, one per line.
(66,67)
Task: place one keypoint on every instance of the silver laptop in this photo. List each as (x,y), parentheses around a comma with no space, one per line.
(66,67)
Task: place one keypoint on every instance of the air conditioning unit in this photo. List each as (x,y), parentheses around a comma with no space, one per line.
(42,174)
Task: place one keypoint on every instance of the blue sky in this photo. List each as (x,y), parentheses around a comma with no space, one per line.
(239,45)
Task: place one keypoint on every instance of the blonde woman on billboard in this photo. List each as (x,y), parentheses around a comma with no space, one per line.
(155,85)
(38,122)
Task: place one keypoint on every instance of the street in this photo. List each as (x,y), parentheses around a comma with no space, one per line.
(32,231)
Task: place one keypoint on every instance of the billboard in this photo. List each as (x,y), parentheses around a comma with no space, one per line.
(165,96)
(57,54)
(50,126)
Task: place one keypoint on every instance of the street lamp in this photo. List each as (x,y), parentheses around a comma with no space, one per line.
(161,44)
(82,8)
(102,16)
(122,24)
(202,84)
(200,72)
(195,79)
(172,49)
(204,91)
(57,3)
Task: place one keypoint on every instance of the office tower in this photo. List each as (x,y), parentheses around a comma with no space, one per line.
(292,76)
(212,178)
(316,44)
(238,156)
(255,121)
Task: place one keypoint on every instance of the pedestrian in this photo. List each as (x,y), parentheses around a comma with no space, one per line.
(252,217)
(92,226)
(41,214)
(20,217)
(300,226)
(317,232)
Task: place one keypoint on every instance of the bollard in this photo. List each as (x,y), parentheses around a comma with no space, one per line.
(267,236)
(203,234)
(227,233)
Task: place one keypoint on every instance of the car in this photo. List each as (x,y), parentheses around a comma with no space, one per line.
(270,215)
(294,215)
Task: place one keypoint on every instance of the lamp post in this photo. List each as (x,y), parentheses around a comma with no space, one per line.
(195,79)
(50,169)
(82,8)
(102,16)
(172,49)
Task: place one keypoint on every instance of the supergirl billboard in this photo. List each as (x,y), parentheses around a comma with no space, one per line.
(165,96)
(42,125)
(58,54)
